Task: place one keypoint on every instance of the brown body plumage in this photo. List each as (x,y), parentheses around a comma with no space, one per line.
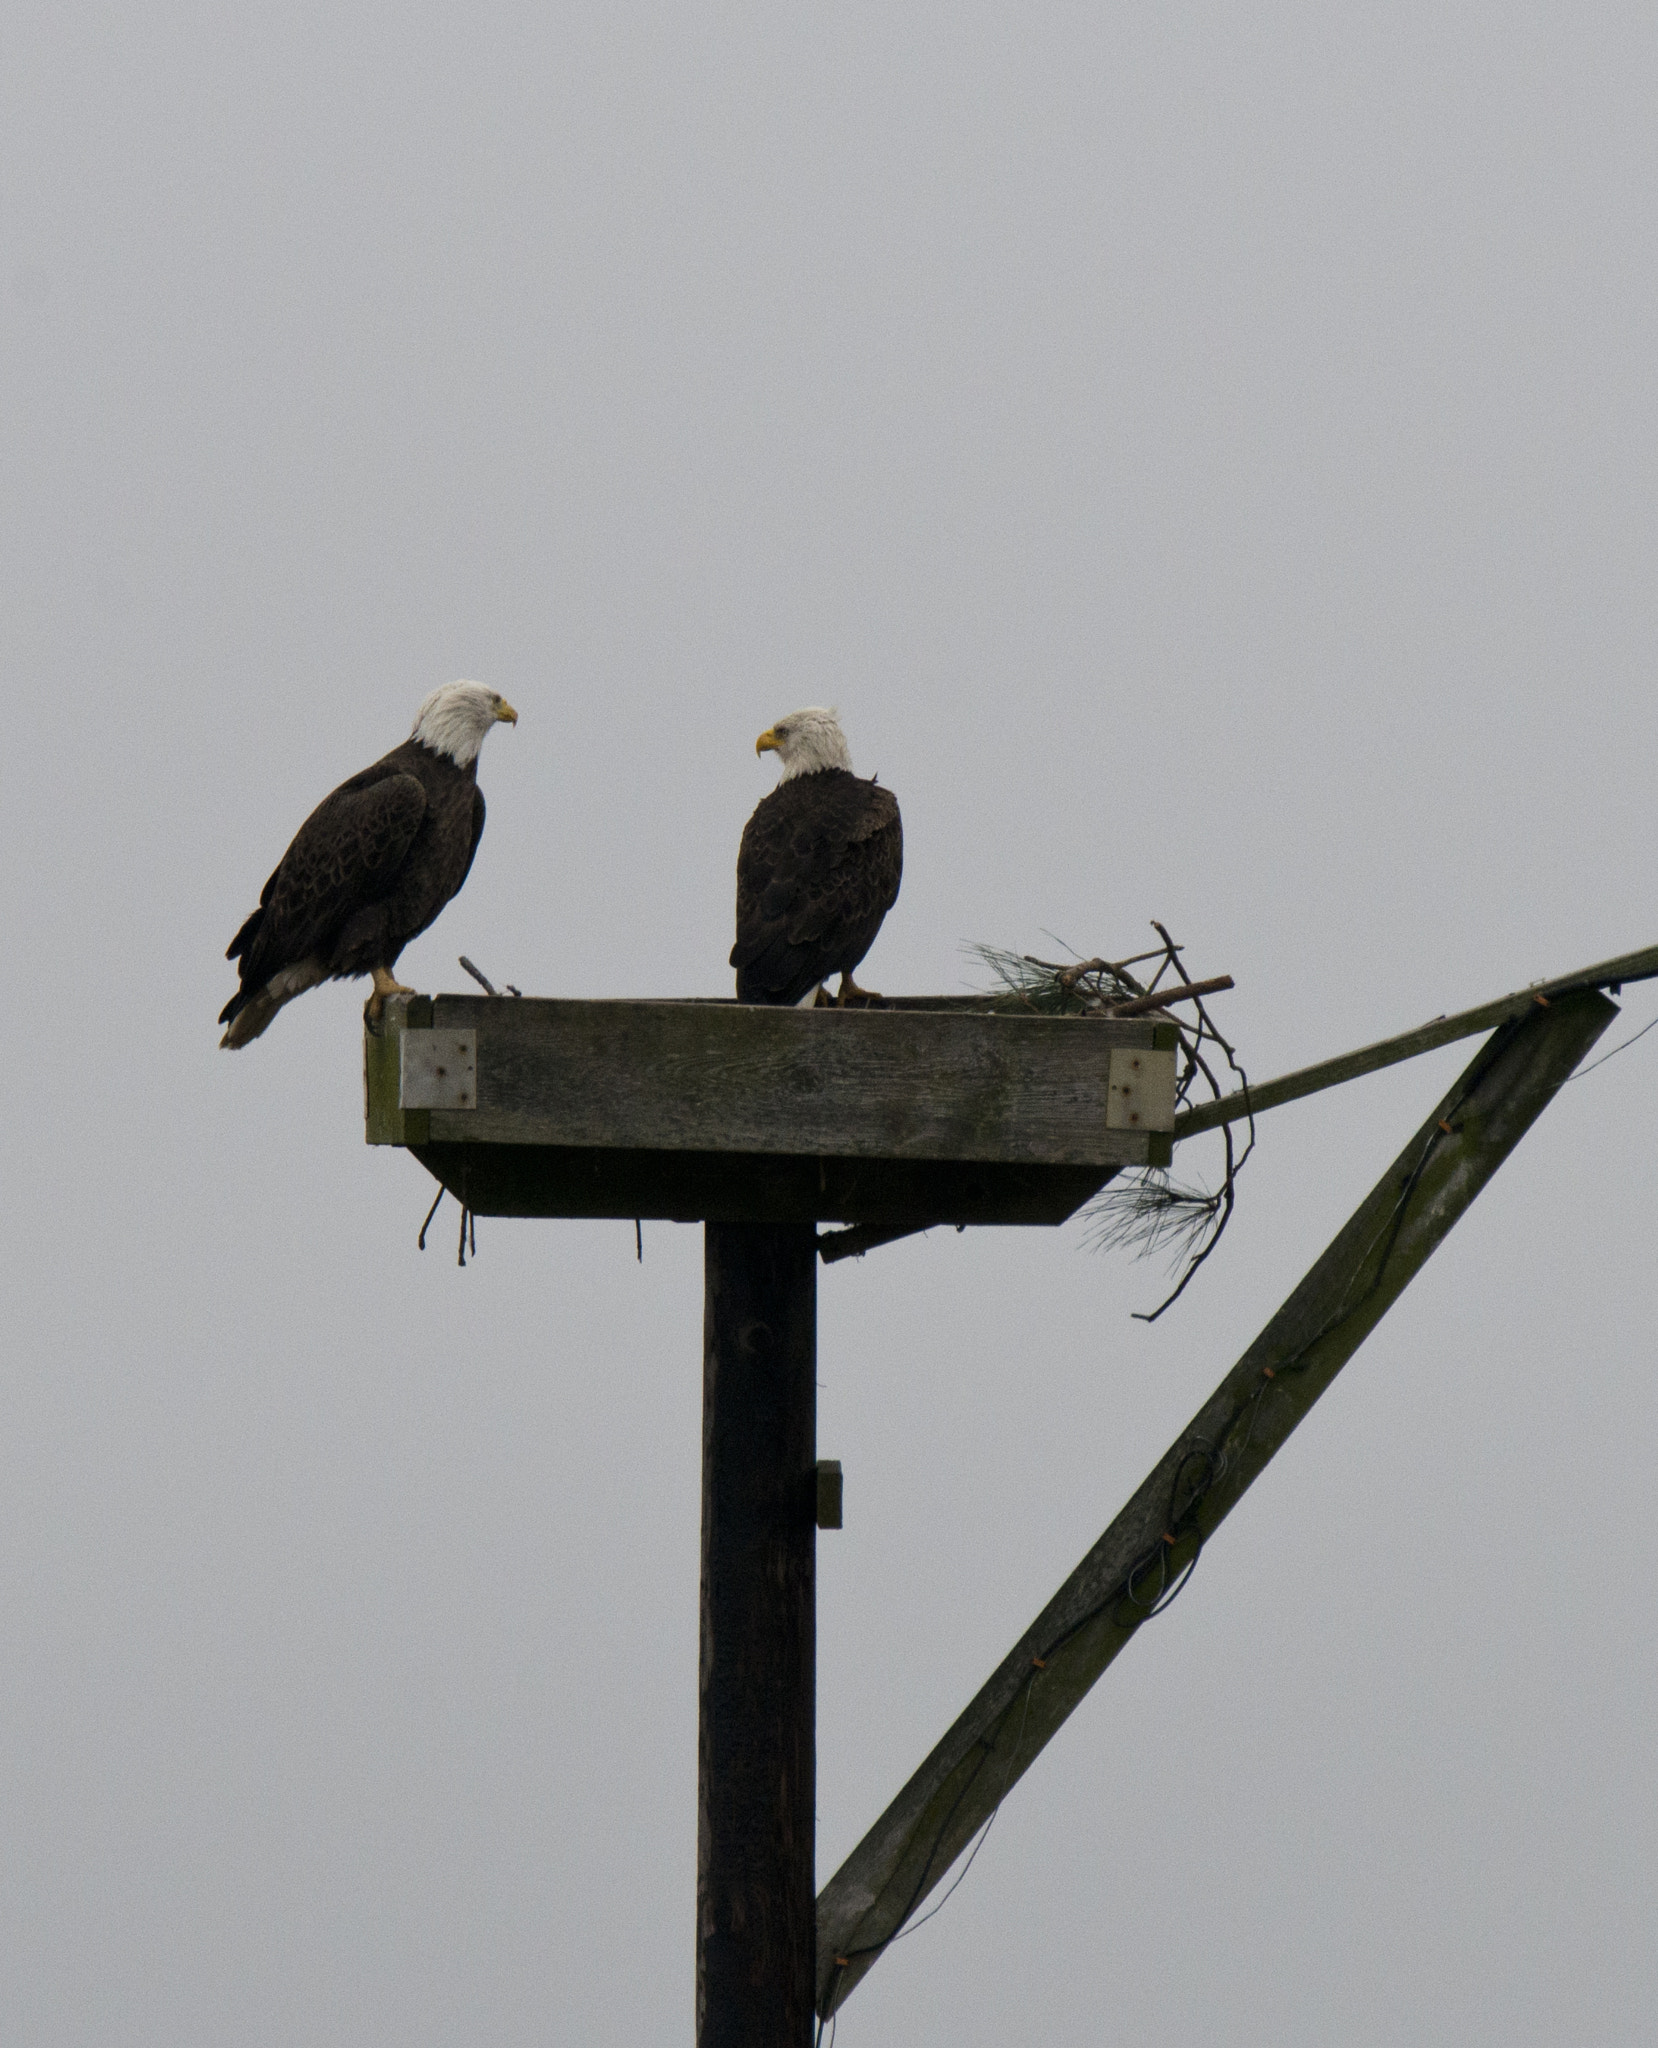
(818,869)
(367,872)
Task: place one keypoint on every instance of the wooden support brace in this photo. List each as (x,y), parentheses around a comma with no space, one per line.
(1408,1045)
(1140,1558)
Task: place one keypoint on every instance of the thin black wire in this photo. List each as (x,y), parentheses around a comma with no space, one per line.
(469,1228)
(1612,1055)
(986,1750)
(987,1743)
(984,1832)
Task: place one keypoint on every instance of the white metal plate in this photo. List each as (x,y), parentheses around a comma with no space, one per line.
(440,1070)
(1140,1095)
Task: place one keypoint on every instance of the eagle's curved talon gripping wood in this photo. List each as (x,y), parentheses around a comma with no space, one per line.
(730,1112)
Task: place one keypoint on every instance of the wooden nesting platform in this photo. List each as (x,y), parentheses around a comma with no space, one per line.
(917,1111)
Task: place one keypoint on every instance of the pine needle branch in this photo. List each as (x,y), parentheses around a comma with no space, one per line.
(1143,1211)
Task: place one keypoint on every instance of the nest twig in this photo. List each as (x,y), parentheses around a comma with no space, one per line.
(1054,990)
(1142,1210)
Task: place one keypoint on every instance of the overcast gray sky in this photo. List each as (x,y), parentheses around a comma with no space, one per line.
(1208,456)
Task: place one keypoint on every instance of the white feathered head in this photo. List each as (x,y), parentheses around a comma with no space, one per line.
(455,719)
(805,742)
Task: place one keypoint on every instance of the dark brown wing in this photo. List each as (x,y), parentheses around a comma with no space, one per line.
(477,834)
(344,858)
(819,868)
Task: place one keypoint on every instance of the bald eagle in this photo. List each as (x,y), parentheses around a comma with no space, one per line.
(818,868)
(371,867)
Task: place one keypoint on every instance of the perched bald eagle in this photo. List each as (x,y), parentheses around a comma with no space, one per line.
(371,867)
(818,868)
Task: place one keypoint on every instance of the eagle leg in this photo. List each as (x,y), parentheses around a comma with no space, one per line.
(385,984)
(850,993)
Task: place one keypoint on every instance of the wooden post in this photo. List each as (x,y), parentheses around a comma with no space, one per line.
(756,1743)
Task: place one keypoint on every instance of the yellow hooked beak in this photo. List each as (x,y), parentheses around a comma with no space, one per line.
(768,743)
(505,714)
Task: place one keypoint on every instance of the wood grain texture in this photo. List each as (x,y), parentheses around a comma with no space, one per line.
(1407,1045)
(756,1742)
(990,1119)
(872,1084)
(385,1120)
(1240,1428)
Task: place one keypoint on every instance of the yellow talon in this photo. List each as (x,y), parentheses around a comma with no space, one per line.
(385,984)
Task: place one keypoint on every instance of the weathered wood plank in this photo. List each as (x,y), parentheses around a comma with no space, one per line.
(870,1084)
(1196,1484)
(890,1119)
(1408,1045)
(385,1120)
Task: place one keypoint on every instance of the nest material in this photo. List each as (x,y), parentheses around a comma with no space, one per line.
(1088,989)
(1142,1211)
(1146,1213)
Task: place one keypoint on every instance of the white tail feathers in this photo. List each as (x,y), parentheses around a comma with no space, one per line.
(254,1016)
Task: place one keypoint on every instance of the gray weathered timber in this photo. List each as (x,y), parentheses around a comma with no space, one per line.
(1196,1484)
(871,1084)
(1387,1052)
(385,1120)
(724,1112)
(756,1740)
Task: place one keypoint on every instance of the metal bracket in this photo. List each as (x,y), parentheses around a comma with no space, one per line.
(440,1070)
(1140,1093)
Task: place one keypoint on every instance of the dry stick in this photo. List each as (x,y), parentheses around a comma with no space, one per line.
(1221,1212)
(1225,1196)
(1188,991)
(1068,977)
(484,982)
